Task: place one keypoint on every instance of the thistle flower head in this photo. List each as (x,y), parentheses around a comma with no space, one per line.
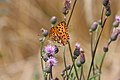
(49,50)
(51,61)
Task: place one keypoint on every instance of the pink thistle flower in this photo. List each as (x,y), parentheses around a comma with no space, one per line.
(117,18)
(77,45)
(49,50)
(51,61)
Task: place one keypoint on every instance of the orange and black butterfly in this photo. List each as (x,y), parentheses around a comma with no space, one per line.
(59,33)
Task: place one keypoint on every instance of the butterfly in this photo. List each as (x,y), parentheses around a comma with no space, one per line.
(59,33)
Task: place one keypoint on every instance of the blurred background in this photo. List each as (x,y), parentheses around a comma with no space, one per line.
(20,24)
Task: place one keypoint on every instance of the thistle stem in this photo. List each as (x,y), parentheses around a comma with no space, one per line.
(96,48)
(41,54)
(102,64)
(71,12)
(65,63)
(73,60)
(51,75)
(92,50)
(81,73)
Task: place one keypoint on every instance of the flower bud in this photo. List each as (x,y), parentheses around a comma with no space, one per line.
(45,58)
(44,32)
(63,73)
(75,57)
(76,52)
(115,24)
(53,20)
(67,6)
(78,64)
(82,58)
(47,70)
(68,67)
(81,50)
(117,18)
(105,2)
(56,49)
(105,49)
(41,39)
(114,36)
(108,12)
(94,26)
(99,22)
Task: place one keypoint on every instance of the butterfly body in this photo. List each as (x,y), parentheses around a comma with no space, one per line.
(59,33)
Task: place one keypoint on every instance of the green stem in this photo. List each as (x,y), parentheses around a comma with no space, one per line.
(41,44)
(73,60)
(92,50)
(81,73)
(102,15)
(65,63)
(71,12)
(96,48)
(51,75)
(102,64)
(41,55)
(70,71)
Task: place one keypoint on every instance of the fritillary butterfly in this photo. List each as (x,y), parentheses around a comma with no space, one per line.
(59,33)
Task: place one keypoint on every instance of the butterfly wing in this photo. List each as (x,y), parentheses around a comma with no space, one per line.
(59,33)
(62,32)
